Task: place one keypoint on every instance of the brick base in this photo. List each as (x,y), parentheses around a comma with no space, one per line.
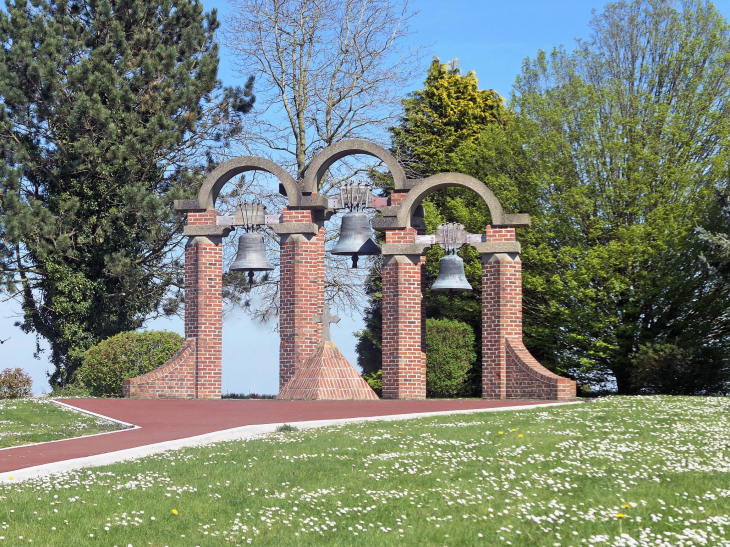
(528,379)
(508,369)
(173,380)
(327,375)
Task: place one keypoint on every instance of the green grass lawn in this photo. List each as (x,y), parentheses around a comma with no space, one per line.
(549,476)
(26,421)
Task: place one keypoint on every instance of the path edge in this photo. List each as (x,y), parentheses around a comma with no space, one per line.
(245,432)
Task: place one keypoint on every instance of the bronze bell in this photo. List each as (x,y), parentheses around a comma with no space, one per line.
(451,276)
(251,255)
(355,237)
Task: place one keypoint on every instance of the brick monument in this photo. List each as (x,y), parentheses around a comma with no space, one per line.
(508,369)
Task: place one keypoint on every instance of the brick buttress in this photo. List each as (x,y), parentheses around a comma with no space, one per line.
(508,369)
(195,371)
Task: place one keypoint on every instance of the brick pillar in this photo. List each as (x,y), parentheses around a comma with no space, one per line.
(501,318)
(501,312)
(302,294)
(508,369)
(204,311)
(404,356)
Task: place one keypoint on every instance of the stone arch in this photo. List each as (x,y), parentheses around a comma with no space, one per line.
(424,187)
(227,170)
(328,156)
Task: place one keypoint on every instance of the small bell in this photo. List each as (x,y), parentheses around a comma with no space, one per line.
(355,237)
(451,275)
(251,255)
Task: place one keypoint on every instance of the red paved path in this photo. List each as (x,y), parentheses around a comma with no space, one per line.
(166,420)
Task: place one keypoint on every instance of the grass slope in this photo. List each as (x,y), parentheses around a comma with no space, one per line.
(555,476)
(26,421)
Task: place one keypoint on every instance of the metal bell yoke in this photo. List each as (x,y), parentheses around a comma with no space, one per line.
(251,255)
(356,232)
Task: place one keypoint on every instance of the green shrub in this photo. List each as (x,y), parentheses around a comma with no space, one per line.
(667,369)
(74,390)
(449,356)
(375,381)
(125,356)
(14,384)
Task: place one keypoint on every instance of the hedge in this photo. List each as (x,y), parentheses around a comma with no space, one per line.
(125,356)
(449,356)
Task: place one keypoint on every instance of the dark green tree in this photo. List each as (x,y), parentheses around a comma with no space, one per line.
(716,239)
(107,110)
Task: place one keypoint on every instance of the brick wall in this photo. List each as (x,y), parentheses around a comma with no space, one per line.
(301,296)
(173,380)
(195,372)
(528,379)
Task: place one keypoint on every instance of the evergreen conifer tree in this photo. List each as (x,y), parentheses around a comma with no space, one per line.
(107,108)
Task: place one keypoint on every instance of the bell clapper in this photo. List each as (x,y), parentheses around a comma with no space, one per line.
(250,277)
(354,261)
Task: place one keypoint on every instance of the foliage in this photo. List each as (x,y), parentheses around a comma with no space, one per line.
(628,137)
(665,368)
(71,390)
(108,110)
(716,239)
(369,340)
(375,381)
(124,356)
(449,111)
(15,384)
(449,357)
(247,396)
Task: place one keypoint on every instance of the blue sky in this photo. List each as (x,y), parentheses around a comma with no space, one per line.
(491,38)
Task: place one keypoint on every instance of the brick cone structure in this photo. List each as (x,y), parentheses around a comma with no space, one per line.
(327,375)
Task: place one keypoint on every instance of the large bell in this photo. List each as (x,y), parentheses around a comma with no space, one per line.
(355,237)
(251,255)
(451,275)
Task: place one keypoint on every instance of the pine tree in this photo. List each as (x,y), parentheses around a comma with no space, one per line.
(106,110)
(449,111)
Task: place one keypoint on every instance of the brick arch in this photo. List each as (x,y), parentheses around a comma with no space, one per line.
(324,160)
(424,187)
(227,170)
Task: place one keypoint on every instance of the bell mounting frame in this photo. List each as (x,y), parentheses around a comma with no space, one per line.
(355,196)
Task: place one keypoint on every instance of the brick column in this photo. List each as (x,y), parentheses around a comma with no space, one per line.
(404,357)
(302,294)
(204,311)
(508,369)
